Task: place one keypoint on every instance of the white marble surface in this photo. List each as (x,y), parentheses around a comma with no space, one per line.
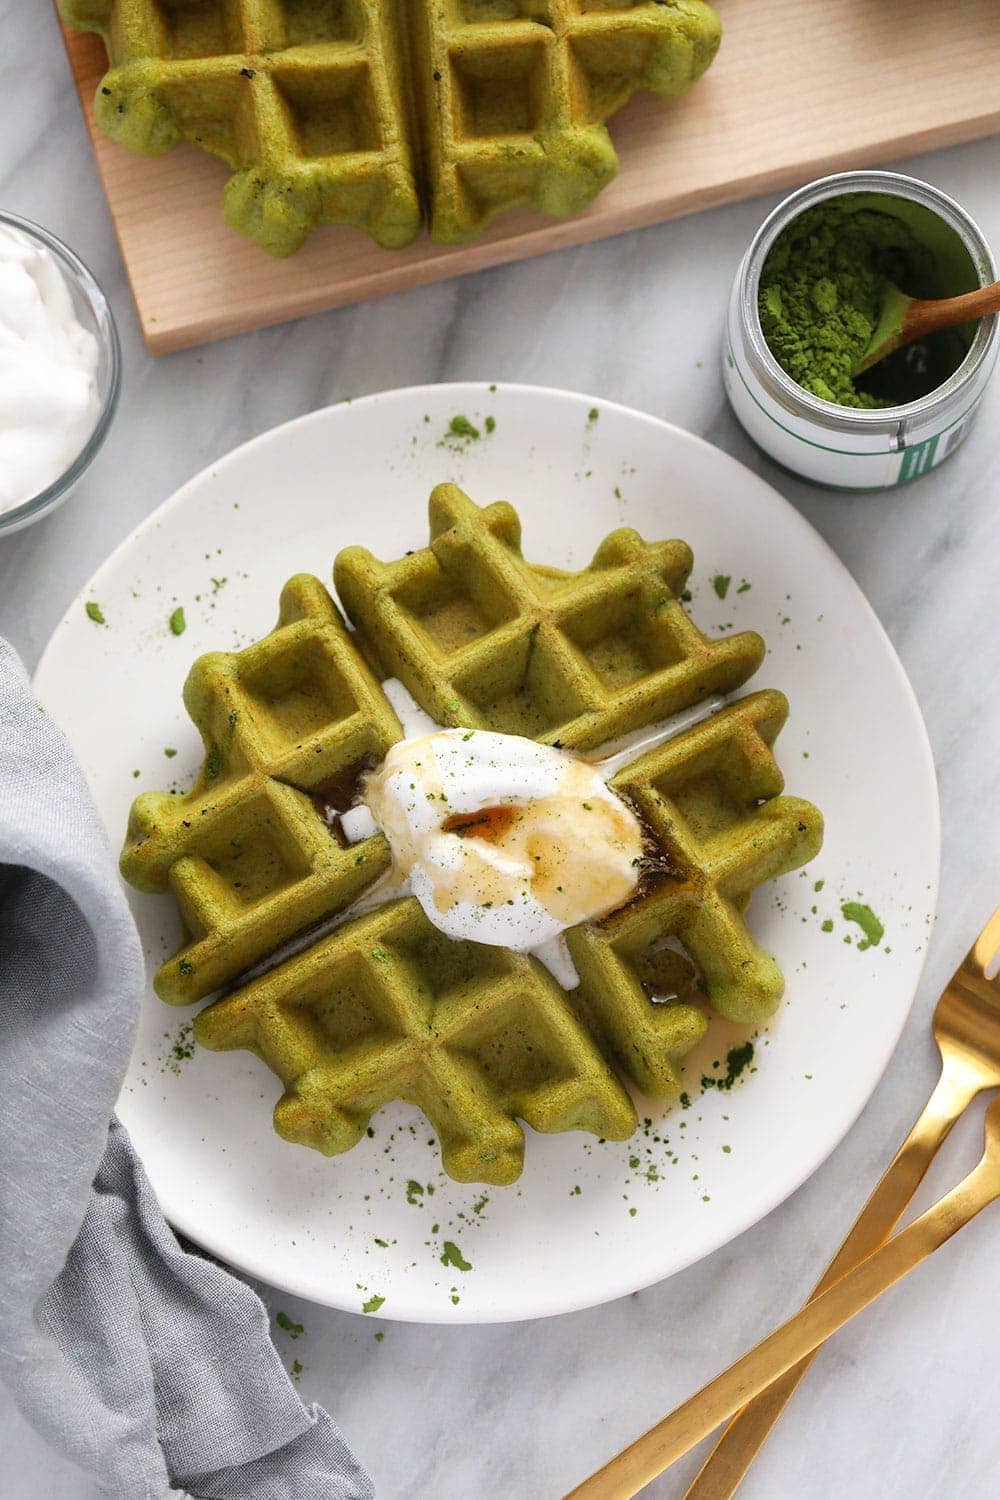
(903,1404)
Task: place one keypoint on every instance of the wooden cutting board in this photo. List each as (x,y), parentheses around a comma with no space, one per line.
(800,88)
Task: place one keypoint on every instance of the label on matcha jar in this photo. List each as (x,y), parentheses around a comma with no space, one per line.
(842,460)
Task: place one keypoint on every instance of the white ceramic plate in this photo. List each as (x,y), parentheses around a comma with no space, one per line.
(586,1222)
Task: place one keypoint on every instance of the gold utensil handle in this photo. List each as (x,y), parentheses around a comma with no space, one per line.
(746,1434)
(658,1448)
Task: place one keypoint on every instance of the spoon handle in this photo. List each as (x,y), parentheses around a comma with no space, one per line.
(658,1448)
(923,317)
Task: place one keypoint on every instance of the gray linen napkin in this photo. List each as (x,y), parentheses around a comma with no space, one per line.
(151,1368)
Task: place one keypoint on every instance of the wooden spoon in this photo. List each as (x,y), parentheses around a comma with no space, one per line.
(904,319)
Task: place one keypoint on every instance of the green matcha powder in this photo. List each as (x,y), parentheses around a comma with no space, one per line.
(819,300)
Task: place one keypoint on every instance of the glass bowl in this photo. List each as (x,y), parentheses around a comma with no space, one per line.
(91,307)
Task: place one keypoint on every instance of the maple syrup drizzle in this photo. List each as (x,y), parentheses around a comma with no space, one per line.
(667,972)
(338,793)
(490,823)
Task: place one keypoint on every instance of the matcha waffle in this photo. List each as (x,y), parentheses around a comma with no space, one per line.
(484,640)
(513,94)
(380,113)
(386,1007)
(304,99)
(710,802)
(252,854)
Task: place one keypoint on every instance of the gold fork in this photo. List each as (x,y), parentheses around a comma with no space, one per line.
(757,1387)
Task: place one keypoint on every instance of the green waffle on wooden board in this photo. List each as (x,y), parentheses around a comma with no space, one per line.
(387,113)
(384,1006)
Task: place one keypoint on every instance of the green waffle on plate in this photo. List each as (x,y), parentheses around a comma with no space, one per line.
(380,1005)
(387,1007)
(252,854)
(485,640)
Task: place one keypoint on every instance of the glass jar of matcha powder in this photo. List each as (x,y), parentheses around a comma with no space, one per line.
(804,306)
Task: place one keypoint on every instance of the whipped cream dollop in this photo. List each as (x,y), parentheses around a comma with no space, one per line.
(48,371)
(504,840)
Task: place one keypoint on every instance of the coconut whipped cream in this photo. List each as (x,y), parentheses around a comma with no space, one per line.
(503,840)
(48,371)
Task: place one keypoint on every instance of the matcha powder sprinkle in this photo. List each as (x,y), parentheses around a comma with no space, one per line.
(872,929)
(460,426)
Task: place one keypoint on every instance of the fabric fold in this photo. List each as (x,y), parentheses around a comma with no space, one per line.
(150,1367)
